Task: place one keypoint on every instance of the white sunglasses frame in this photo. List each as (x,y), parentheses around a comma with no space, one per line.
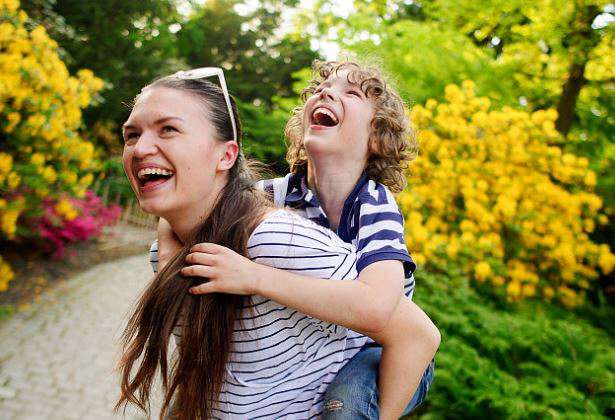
(203,72)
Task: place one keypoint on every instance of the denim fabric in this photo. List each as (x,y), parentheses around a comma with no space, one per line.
(353,394)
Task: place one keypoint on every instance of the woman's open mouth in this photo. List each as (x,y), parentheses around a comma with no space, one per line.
(151,178)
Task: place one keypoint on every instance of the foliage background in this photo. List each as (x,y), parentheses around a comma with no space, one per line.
(510,204)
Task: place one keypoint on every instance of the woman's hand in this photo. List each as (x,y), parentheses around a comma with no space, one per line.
(226,270)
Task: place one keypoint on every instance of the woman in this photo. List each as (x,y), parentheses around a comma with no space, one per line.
(251,357)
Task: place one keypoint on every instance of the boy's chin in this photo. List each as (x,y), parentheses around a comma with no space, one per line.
(319,144)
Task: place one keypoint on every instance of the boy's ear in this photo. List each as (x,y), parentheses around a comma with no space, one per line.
(373,144)
(228,155)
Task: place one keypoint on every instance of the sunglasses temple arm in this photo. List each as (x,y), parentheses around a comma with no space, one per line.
(227,99)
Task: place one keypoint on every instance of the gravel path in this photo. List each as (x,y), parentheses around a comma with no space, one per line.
(56,359)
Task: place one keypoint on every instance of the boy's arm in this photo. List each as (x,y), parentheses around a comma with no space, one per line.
(168,244)
(364,304)
(370,305)
(409,342)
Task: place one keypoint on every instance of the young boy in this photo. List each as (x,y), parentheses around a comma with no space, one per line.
(349,140)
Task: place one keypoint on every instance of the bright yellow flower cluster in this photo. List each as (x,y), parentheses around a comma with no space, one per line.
(9,215)
(6,275)
(492,194)
(65,209)
(40,118)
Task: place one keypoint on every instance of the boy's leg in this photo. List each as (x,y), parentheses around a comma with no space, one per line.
(422,390)
(353,394)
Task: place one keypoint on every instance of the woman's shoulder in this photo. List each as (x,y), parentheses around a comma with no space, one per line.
(284,228)
(290,242)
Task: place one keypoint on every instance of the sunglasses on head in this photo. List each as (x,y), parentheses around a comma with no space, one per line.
(204,72)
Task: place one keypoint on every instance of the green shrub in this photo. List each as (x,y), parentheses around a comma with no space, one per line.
(525,361)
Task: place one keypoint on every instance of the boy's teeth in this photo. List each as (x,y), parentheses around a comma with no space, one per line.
(325,111)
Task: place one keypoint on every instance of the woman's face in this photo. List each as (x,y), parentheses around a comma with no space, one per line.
(171,154)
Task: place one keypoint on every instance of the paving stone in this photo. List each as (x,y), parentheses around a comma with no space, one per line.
(57,358)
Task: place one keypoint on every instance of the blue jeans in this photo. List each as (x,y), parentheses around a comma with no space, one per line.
(353,394)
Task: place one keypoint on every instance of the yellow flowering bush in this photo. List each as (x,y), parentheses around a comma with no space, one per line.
(40,117)
(6,275)
(493,194)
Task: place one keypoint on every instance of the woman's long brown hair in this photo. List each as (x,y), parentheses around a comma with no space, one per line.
(194,380)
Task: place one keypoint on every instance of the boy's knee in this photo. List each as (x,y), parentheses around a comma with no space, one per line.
(353,408)
(350,402)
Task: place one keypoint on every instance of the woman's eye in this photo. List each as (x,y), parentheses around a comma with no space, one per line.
(168,129)
(131,136)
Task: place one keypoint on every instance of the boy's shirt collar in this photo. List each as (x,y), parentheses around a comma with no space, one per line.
(299,195)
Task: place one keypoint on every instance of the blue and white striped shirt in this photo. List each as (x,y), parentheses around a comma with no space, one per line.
(370,220)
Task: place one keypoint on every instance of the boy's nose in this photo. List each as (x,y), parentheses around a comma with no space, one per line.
(327,93)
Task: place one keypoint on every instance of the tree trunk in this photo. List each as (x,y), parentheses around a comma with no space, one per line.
(568,99)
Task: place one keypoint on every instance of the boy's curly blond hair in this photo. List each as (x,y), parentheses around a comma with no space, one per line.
(392,144)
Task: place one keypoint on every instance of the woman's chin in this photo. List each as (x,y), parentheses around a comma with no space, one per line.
(154,207)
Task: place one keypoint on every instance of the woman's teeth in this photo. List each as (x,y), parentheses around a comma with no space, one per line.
(145,173)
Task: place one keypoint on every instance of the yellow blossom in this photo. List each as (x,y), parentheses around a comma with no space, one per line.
(37,159)
(491,182)
(8,222)
(482,271)
(6,163)
(65,209)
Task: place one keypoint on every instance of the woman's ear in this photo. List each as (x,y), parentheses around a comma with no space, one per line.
(228,155)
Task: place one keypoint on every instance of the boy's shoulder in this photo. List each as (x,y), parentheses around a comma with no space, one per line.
(375,194)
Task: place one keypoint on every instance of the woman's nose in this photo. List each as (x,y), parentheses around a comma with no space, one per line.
(146,145)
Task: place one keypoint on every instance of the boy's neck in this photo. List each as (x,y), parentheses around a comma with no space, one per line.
(332,184)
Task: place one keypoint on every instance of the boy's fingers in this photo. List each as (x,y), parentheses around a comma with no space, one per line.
(207,247)
(201,258)
(203,288)
(198,271)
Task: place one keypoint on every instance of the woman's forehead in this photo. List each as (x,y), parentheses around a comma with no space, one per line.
(154,103)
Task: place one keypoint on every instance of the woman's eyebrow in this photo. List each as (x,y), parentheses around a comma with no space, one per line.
(159,121)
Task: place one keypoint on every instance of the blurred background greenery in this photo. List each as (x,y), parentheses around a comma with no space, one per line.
(541,348)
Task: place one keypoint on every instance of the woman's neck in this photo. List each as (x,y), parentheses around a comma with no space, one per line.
(186,220)
(332,182)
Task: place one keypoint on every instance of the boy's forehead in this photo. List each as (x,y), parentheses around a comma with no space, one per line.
(344,75)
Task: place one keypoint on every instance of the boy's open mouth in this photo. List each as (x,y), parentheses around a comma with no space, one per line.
(323,117)
(150,177)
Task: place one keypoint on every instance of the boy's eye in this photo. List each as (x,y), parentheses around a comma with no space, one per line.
(355,93)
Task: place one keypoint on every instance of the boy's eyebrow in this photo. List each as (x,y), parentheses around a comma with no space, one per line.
(159,121)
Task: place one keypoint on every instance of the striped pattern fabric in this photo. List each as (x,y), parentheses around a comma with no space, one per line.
(370,220)
(282,360)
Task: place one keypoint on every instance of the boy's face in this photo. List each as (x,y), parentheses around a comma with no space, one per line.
(337,120)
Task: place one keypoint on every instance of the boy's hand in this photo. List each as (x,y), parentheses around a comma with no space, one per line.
(168,243)
(226,270)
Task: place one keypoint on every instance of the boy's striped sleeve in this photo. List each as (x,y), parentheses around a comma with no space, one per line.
(380,233)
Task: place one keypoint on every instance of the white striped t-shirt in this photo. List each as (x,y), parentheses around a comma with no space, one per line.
(283,360)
